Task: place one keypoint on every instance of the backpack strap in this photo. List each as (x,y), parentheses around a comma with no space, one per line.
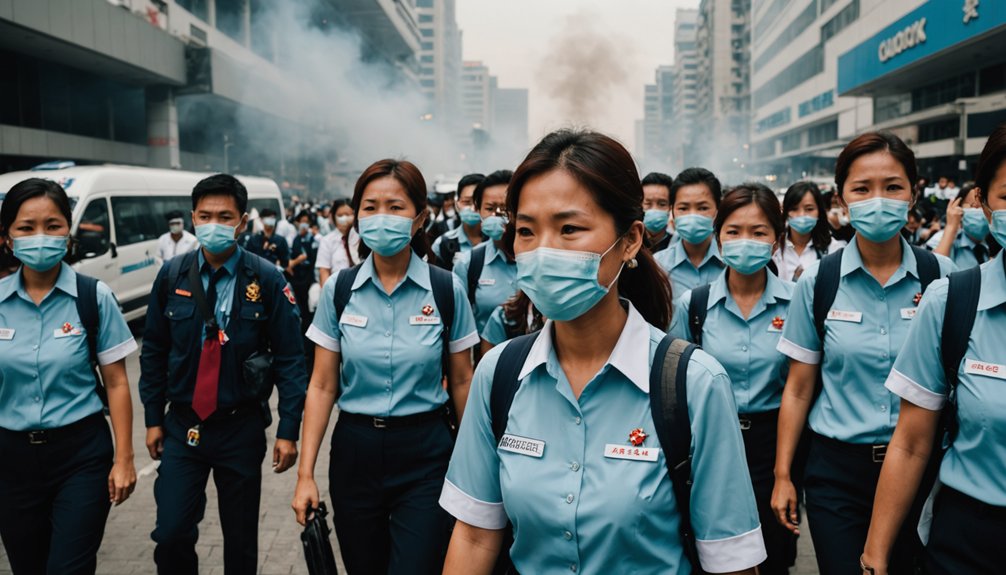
(669,409)
(829,275)
(442,285)
(475,266)
(506,381)
(344,288)
(958,320)
(448,247)
(697,309)
(87,309)
(928,266)
(175,267)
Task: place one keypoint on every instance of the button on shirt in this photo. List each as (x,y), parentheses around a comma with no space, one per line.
(574,508)
(787,261)
(45,372)
(976,462)
(168,248)
(745,347)
(860,346)
(225,287)
(391,350)
(496,284)
(685,276)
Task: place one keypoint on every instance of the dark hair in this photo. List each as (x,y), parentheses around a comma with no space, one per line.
(174,215)
(871,143)
(221,185)
(606,169)
(469,180)
(915,213)
(659,179)
(752,194)
(692,176)
(336,204)
(515,313)
(993,156)
(27,190)
(408,175)
(820,236)
(267,213)
(303,214)
(963,191)
(497,178)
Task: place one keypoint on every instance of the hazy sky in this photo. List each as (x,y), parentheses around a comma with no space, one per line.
(585,62)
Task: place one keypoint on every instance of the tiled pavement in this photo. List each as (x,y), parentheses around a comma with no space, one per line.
(127,548)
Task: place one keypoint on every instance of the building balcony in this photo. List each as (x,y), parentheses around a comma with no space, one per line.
(388,27)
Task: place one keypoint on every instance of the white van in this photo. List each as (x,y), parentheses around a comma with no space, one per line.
(119,213)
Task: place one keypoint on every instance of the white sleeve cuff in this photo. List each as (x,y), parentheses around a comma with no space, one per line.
(793,351)
(110,356)
(907,389)
(467,342)
(732,554)
(472,511)
(323,339)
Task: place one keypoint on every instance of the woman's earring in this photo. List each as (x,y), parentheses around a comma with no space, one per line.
(632,264)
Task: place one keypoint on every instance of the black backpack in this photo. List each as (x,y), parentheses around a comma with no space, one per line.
(668,406)
(958,320)
(449,247)
(475,266)
(87,309)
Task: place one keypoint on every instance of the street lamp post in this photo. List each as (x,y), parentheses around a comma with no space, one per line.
(227,145)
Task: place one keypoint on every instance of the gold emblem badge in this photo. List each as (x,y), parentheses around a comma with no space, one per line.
(253,292)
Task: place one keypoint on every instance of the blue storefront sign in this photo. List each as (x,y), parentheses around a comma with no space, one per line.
(929,29)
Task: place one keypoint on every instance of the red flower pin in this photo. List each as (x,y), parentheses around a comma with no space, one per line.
(778,322)
(917,298)
(637,436)
(67,327)
(427,309)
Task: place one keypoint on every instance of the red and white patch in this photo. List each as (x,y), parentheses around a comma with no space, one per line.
(637,436)
(289,294)
(427,309)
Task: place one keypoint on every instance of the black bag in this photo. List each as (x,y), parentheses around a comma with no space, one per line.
(87,309)
(317,546)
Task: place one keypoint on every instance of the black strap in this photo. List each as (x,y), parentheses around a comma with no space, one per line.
(442,285)
(669,409)
(175,267)
(344,289)
(697,309)
(506,380)
(448,247)
(829,275)
(199,296)
(475,266)
(927,265)
(963,294)
(87,309)
(981,253)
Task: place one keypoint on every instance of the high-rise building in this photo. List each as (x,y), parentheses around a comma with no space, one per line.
(658,122)
(477,96)
(440,62)
(684,101)
(510,118)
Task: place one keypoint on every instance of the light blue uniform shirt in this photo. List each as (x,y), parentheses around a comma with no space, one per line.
(745,347)
(685,276)
(976,462)
(45,372)
(864,332)
(575,508)
(225,286)
(495,329)
(496,284)
(962,252)
(457,233)
(391,350)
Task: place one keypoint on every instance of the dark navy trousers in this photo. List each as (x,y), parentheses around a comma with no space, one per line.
(385,486)
(232,446)
(967,536)
(54,498)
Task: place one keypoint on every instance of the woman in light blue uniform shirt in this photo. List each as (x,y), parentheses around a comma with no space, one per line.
(578,212)
(969,523)
(745,312)
(964,237)
(60,472)
(878,288)
(383,359)
(517,316)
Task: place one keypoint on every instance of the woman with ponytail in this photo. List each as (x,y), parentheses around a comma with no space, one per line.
(576,203)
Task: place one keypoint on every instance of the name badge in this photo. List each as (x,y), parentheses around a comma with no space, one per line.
(975,367)
(774,329)
(6,334)
(849,316)
(522,445)
(487,282)
(615,451)
(909,312)
(424,320)
(354,320)
(59,333)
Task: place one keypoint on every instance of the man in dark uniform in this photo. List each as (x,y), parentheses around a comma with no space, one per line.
(213,315)
(268,244)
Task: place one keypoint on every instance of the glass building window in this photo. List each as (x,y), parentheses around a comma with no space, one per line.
(198,8)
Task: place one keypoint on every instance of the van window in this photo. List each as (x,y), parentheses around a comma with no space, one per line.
(140,219)
(93,233)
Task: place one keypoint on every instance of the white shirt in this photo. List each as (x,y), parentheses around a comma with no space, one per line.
(947,193)
(287,230)
(332,253)
(788,262)
(168,248)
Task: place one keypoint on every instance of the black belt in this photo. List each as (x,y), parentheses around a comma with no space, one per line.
(977,507)
(185,412)
(766,417)
(874,453)
(394,422)
(44,436)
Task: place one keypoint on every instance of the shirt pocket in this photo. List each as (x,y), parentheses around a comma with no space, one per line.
(184,325)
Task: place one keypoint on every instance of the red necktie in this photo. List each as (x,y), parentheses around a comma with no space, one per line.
(204,397)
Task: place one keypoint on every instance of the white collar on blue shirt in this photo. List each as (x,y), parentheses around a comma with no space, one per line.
(775,290)
(418,271)
(65,282)
(631,354)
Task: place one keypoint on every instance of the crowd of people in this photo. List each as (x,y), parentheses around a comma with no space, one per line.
(560,368)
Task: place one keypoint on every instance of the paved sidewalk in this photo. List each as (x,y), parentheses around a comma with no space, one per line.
(127,548)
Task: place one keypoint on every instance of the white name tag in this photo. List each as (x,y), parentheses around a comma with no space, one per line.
(6,334)
(354,320)
(850,316)
(615,451)
(909,312)
(424,320)
(59,333)
(487,282)
(773,329)
(975,367)
(522,445)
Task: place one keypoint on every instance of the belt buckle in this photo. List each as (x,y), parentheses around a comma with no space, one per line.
(879,451)
(380,423)
(745,423)
(40,437)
